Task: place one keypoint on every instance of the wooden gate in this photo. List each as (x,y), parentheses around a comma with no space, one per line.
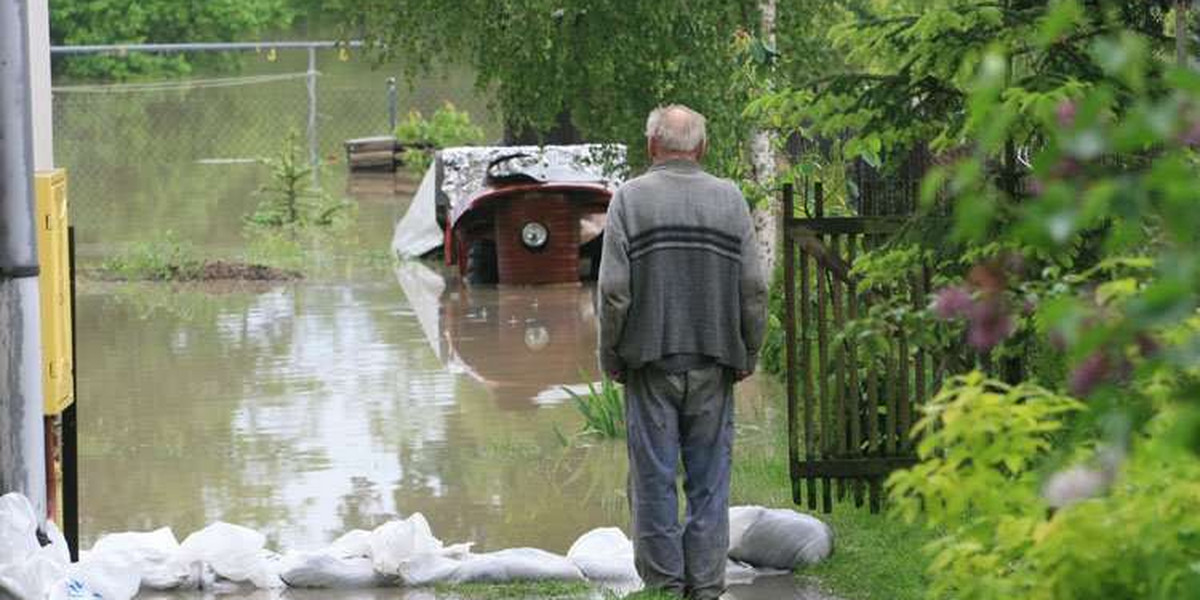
(848,415)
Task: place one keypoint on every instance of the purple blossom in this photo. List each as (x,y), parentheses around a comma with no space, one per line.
(1036,186)
(1191,137)
(952,303)
(1089,374)
(1028,307)
(990,324)
(1065,113)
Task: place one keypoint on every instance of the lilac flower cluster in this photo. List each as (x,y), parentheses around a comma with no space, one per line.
(983,306)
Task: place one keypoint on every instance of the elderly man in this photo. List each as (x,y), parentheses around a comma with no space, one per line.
(682,315)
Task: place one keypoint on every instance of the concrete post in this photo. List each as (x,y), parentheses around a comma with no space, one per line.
(39,76)
(22,455)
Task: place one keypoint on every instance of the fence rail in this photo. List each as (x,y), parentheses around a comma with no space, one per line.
(121,49)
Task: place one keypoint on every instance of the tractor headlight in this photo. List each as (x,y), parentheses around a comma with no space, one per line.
(534,235)
(537,337)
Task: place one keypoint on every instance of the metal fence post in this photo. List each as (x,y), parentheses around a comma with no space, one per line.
(393,105)
(22,456)
(314,158)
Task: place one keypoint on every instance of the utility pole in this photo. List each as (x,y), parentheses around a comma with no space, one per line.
(22,452)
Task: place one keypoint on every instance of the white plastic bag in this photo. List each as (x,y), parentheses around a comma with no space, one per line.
(604,555)
(234,552)
(353,543)
(516,564)
(18,528)
(97,577)
(394,544)
(28,570)
(327,570)
(157,557)
(30,578)
(429,569)
(777,538)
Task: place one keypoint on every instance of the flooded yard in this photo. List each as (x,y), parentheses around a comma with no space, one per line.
(304,409)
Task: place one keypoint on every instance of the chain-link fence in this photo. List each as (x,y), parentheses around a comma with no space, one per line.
(184,154)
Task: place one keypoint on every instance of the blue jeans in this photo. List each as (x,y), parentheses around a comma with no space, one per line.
(669,414)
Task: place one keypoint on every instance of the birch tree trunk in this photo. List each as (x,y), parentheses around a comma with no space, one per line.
(1181,31)
(762,157)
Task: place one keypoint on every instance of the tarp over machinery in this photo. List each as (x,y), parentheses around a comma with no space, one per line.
(458,175)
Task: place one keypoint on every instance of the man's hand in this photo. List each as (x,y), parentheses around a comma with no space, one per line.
(741,375)
(617,376)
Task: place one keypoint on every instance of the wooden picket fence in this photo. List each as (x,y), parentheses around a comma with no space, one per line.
(850,408)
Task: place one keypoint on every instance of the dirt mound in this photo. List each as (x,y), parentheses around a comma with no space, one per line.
(223,270)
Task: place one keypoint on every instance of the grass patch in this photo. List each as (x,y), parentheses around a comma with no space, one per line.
(164,258)
(875,556)
(535,590)
(603,409)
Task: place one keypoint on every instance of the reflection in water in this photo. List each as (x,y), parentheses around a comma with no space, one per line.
(311,409)
(522,343)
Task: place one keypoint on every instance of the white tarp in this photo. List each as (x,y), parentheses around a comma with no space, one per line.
(423,287)
(418,233)
(464,173)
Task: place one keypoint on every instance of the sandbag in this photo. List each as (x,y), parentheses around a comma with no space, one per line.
(604,555)
(394,544)
(235,553)
(353,543)
(327,570)
(777,538)
(429,569)
(18,528)
(157,557)
(97,577)
(516,564)
(27,569)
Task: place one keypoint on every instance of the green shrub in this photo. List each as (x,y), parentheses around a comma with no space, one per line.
(290,200)
(1124,527)
(448,127)
(603,410)
(163,258)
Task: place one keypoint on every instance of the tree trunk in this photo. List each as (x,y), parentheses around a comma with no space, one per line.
(762,156)
(1181,31)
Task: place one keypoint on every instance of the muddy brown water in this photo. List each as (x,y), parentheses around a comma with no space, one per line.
(308,408)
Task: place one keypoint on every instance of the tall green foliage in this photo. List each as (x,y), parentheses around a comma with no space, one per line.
(604,63)
(1067,145)
(908,66)
(1069,181)
(81,22)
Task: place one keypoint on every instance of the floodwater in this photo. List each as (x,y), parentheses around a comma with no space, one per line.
(365,392)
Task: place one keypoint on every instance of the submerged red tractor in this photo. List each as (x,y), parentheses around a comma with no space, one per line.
(514,215)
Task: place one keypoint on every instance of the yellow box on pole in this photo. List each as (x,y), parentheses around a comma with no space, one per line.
(58,372)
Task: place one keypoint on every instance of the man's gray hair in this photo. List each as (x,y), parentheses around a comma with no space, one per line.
(676,128)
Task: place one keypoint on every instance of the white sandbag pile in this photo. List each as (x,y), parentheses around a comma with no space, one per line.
(30,571)
(405,552)
(604,555)
(777,538)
